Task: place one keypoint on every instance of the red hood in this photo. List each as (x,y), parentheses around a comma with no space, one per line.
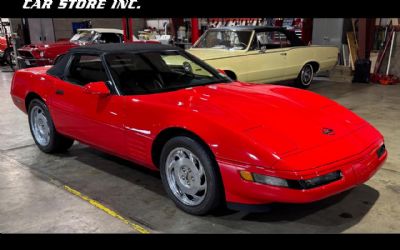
(46,46)
(294,118)
(51,50)
(284,121)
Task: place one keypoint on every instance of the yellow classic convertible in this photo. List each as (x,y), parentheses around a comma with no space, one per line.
(263,54)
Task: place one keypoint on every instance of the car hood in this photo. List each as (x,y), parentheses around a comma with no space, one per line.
(283,118)
(48,46)
(211,54)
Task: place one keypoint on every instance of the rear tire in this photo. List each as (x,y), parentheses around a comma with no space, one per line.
(43,131)
(305,77)
(190,176)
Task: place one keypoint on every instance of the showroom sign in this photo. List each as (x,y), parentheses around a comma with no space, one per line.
(81,4)
(179,9)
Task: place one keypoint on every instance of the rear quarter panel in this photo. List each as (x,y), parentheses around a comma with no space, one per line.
(34,80)
(297,57)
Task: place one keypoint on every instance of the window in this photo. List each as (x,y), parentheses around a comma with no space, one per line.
(225,39)
(83,36)
(271,40)
(59,58)
(85,69)
(110,38)
(151,72)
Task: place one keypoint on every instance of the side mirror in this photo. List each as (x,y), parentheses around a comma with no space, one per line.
(187,67)
(263,49)
(96,88)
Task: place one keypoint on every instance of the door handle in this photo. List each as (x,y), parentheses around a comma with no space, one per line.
(59,92)
(283,54)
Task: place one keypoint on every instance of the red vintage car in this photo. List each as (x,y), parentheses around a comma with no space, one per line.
(5,51)
(45,53)
(3,45)
(213,140)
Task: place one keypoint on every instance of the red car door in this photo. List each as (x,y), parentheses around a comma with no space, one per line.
(90,118)
(140,119)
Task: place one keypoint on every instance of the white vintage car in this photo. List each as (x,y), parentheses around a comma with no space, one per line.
(263,54)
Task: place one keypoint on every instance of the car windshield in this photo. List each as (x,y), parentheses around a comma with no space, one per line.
(150,72)
(83,36)
(224,39)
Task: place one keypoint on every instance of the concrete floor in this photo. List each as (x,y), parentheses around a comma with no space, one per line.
(33,198)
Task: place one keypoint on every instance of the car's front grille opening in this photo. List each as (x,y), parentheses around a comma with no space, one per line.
(316,182)
(381,150)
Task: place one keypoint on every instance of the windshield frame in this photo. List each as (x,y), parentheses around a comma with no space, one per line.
(226,30)
(216,74)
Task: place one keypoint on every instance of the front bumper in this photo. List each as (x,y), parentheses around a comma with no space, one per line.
(355,171)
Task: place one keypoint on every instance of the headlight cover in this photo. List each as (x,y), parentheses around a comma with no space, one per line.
(270,180)
(292,184)
(321,180)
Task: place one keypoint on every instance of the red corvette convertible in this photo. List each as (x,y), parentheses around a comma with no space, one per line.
(213,140)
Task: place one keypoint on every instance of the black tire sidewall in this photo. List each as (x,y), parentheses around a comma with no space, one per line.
(52,143)
(299,80)
(213,195)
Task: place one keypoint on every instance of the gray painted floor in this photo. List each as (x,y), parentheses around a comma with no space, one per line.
(32,198)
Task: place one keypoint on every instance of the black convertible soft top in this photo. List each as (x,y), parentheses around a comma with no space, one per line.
(58,69)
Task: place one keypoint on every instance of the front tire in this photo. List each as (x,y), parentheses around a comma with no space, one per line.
(305,77)
(190,176)
(43,131)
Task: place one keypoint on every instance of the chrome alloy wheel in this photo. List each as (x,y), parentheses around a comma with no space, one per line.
(40,126)
(307,75)
(186,176)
